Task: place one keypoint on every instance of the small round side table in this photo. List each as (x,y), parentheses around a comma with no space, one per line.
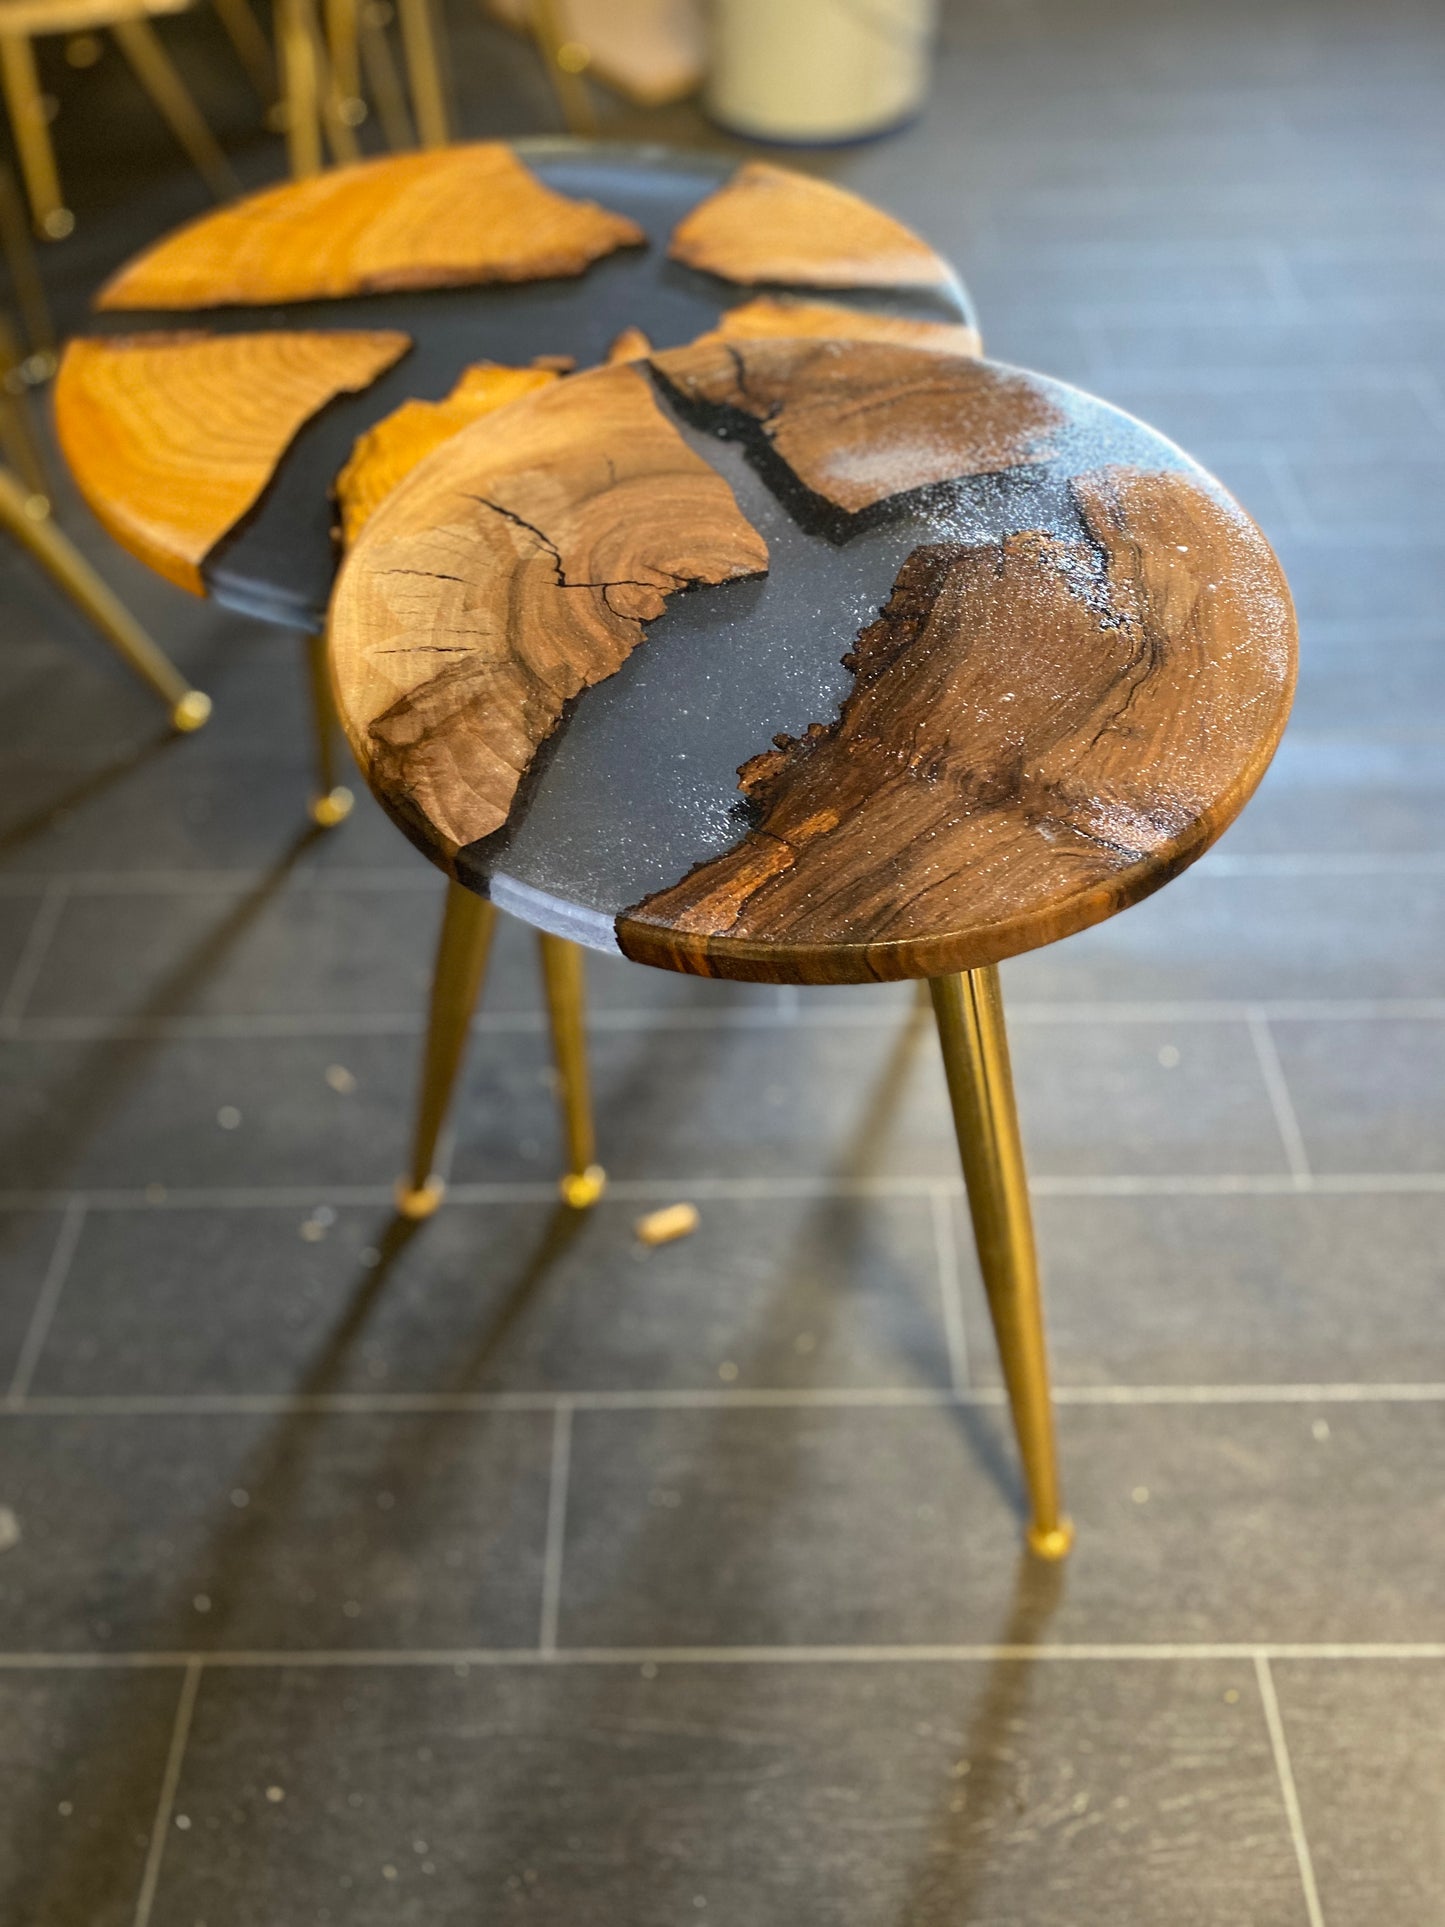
(821,661)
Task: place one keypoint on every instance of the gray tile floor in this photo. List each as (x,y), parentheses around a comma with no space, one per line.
(507,1571)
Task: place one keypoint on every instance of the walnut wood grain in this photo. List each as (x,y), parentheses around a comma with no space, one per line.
(387,453)
(1040,732)
(447,217)
(857,423)
(771,224)
(512,570)
(173,437)
(768,315)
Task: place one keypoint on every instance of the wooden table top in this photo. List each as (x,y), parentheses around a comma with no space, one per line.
(812,660)
(234,365)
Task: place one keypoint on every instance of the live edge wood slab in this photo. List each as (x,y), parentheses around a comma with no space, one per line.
(174,437)
(1069,659)
(448,217)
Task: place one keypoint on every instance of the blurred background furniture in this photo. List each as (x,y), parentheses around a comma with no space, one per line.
(129,21)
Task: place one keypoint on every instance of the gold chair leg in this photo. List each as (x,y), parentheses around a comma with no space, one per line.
(300,87)
(969,1011)
(332,803)
(428,100)
(343,53)
(18,440)
(33,308)
(566,61)
(156,72)
(381,74)
(251,47)
(468,922)
(52,218)
(27,517)
(563,975)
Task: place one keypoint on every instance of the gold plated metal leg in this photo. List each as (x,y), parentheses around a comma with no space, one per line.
(343,51)
(969,1011)
(31,128)
(30,302)
(461,963)
(300,87)
(563,969)
(428,99)
(566,62)
(253,50)
(161,79)
(27,516)
(381,73)
(18,439)
(332,803)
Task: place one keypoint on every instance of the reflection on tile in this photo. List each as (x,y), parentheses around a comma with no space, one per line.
(1236,1290)
(854,1102)
(771,1292)
(783,1796)
(80,1771)
(299,1531)
(823,1526)
(1367,1746)
(1369,1096)
(1253,938)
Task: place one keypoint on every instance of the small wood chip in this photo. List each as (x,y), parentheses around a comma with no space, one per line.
(661,1227)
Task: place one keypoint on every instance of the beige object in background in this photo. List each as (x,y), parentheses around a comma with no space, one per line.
(817,70)
(651,51)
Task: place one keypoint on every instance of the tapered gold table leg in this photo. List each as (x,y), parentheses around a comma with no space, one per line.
(31,128)
(27,517)
(157,73)
(969,1011)
(562,974)
(461,963)
(332,802)
(300,87)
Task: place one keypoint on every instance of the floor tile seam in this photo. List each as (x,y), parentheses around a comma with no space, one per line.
(166,1800)
(1289,1793)
(566,1402)
(1023,1012)
(47,1299)
(31,961)
(1281,1102)
(1322,1184)
(1342,1653)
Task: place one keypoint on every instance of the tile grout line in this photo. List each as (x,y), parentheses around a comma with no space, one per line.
(375,1658)
(1289,1792)
(1280,1100)
(72,1223)
(170,1780)
(480,1195)
(32,954)
(821,1398)
(950,1288)
(1025,1013)
(556,1526)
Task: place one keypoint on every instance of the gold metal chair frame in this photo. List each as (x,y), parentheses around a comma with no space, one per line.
(129,21)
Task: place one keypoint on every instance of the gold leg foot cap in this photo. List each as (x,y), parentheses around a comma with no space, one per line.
(192,712)
(582,1188)
(1052,1544)
(58,223)
(329,810)
(419,1201)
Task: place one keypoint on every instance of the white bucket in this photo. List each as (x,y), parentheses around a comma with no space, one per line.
(817,70)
